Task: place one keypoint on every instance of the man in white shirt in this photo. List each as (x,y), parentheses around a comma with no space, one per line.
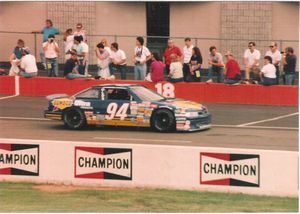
(118,60)
(51,50)
(268,72)
(141,56)
(275,54)
(187,54)
(28,64)
(251,60)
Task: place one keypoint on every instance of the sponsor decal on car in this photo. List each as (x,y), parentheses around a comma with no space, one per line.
(62,103)
(229,169)
(82,103)
(19,159)
(103,163)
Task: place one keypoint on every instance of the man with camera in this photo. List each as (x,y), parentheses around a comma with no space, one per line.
(141,56)
(289,65)
(51,50)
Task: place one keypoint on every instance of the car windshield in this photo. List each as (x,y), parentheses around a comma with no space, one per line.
(146,94)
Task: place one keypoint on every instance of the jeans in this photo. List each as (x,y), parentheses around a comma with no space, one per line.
(71,76)
(42,55)
(140,71)
(27,75)
(219,70)
(289,79)
(186,73)
(121,68)
(81,67)
(52,67)
(231,81)
(277,74)
(268,81)
(174,80)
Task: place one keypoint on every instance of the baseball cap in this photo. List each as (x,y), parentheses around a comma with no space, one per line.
(228,53)
(26,50)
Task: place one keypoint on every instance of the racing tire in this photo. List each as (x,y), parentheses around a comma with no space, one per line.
(163,120)
(74,118)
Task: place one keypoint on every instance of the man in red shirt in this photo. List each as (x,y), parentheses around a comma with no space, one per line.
(232,70)
(172,49)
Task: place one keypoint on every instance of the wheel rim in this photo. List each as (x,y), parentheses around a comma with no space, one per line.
(73,118)
(162,120)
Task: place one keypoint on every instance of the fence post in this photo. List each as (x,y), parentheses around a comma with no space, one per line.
(35,46)
(115,38)
(280,45)
(196,41)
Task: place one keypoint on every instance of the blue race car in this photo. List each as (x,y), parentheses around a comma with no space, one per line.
(127,105)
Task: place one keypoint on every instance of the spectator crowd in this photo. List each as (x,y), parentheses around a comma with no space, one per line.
(177,65)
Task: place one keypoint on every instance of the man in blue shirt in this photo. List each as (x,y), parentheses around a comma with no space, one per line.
(46,31)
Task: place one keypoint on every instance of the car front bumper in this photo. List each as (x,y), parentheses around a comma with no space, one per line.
(194,124)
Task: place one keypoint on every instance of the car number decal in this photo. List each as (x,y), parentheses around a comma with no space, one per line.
(113,111)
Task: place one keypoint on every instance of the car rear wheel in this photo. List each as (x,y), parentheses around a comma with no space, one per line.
(163,120)
(74,118)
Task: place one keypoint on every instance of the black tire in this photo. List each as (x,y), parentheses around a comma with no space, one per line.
(74,118)
(163,120)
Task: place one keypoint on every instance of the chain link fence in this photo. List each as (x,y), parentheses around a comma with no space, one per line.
(8,41)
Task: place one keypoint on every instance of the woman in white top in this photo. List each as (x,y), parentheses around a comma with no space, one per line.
(28,64)
(176,73)
(268,72)
(103,61)
(68,42)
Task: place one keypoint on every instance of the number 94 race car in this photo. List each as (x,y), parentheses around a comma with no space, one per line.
(127,105)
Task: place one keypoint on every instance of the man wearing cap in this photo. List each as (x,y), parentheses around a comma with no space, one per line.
(28,64)
(232,71)
(70,71)
(172,49)
(275,54)
(51,50)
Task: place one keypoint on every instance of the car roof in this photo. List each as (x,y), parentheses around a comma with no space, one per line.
(117,85)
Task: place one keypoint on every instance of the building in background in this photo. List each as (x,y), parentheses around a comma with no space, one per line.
(227,25)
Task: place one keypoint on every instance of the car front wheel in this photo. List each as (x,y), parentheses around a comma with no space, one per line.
(74,118)
(163,120)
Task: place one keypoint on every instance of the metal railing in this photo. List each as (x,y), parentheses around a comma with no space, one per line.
(8,41)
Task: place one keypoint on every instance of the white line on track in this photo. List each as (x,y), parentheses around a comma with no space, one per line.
(142,139)
(214,125)
(24,118)
(3,98)
(268,120)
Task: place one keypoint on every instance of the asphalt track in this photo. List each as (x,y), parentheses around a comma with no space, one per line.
(234,126)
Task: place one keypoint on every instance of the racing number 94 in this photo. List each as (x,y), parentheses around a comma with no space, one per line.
(114,112)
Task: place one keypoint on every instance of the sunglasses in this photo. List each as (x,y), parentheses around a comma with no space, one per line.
(250,46)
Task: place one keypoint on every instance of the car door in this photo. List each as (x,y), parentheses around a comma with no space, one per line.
(115,106)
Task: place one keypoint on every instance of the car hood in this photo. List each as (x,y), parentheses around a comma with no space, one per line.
(182,104)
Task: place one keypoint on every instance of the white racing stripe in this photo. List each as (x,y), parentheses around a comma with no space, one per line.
(215,125)
(141,139)
(268,120)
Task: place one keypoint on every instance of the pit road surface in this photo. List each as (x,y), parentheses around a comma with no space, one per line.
(234,126)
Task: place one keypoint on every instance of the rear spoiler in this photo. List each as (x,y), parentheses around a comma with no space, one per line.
(56,96)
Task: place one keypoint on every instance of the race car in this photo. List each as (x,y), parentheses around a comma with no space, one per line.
(127,105)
